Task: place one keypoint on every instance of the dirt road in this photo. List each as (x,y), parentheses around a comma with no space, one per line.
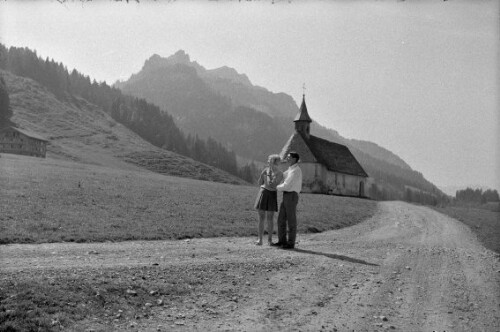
(408,268)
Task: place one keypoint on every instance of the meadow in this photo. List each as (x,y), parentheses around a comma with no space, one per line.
(50,200)
(483,221)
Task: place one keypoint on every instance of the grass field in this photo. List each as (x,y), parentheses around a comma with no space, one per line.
(48,200)
(82,132)
(485,223)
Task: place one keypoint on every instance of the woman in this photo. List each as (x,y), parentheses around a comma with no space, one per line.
(267,199)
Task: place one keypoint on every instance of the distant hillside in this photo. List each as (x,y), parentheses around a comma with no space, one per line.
(378,152)
(372,150)
(199,110)
(253,121)
(83,132)
(144,118)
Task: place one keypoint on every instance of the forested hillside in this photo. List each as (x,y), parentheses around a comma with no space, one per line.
(5,109)
(146,119)
(198,110)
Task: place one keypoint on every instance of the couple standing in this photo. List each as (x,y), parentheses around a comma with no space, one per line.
(271,181)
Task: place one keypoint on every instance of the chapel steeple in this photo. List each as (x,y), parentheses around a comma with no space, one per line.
(302,120)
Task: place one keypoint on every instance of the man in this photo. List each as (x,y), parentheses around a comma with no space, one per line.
(291,187)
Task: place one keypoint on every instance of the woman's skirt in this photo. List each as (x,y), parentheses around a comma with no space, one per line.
(267,200)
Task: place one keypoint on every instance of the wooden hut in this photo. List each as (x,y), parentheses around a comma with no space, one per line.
(20,141)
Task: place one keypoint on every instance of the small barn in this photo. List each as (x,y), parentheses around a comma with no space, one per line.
(20,141)
(327,167)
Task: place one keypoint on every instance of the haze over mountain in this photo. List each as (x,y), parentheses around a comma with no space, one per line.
(254,122)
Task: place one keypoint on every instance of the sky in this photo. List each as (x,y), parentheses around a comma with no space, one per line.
(419,78)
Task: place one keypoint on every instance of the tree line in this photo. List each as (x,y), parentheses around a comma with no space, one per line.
(5,109)
(476,196)
(147,120)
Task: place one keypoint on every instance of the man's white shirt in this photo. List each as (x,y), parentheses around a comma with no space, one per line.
(292,179)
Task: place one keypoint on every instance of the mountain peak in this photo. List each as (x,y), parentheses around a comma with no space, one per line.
(180,57)
(154,61)
(229,74)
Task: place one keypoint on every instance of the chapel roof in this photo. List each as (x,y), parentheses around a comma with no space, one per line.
(336,157)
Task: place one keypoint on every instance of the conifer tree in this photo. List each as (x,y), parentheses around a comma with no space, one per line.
(5,109)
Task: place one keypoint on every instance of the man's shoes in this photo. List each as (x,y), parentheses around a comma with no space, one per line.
(277,244)
(287,246)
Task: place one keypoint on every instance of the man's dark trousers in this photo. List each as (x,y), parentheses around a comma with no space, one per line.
(288,215)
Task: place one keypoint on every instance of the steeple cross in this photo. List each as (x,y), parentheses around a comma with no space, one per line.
(304,89)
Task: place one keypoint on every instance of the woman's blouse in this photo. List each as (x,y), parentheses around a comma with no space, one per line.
(270,179)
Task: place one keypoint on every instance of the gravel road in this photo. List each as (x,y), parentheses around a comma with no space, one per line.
(408,268)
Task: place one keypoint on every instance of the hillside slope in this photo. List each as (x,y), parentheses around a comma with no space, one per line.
(80,131)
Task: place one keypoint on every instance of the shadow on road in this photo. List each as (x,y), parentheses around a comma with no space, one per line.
(334,256)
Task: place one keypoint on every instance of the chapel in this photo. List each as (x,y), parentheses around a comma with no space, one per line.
(327,167)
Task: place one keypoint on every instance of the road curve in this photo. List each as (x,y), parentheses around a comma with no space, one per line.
(408,268)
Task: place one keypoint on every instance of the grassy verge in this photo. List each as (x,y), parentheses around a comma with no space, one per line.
(47,200)
(483,222)
(120,299)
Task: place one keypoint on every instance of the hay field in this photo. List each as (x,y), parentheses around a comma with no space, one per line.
(51,200)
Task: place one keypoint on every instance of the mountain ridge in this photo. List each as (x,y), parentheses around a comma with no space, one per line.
(244,112)
(227,82)
(218,78)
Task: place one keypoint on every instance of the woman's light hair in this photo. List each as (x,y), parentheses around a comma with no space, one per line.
(272,158)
